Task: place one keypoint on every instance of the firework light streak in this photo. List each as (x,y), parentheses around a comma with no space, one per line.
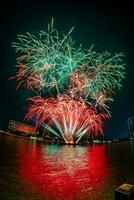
(81,80)
(71,118)
(100,100)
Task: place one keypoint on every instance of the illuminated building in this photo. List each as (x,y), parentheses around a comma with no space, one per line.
(15,126)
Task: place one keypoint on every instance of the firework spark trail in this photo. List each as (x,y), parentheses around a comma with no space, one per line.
(48,55)
(100,100)
(56,57)
(82,81)
(72,118)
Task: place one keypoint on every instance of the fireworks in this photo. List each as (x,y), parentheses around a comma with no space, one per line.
(70,117)
(81,80)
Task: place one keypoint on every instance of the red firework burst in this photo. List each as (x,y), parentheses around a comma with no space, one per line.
(70,118)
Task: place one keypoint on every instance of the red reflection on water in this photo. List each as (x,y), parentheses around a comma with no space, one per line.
(65,172)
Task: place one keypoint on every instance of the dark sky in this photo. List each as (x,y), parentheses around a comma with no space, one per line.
(108,25)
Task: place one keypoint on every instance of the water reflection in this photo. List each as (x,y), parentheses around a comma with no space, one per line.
(64,172)
(35,171)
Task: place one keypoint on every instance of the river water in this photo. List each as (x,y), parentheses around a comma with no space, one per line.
(31,170)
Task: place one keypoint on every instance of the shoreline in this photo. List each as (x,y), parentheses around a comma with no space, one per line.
(28,138)
(62,143)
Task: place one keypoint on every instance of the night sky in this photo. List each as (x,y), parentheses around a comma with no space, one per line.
(107,25)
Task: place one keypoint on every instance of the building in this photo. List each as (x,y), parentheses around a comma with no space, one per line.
(130,124)
(18,127)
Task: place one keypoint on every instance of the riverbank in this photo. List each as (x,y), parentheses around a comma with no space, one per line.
(33,138)
(53,141)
